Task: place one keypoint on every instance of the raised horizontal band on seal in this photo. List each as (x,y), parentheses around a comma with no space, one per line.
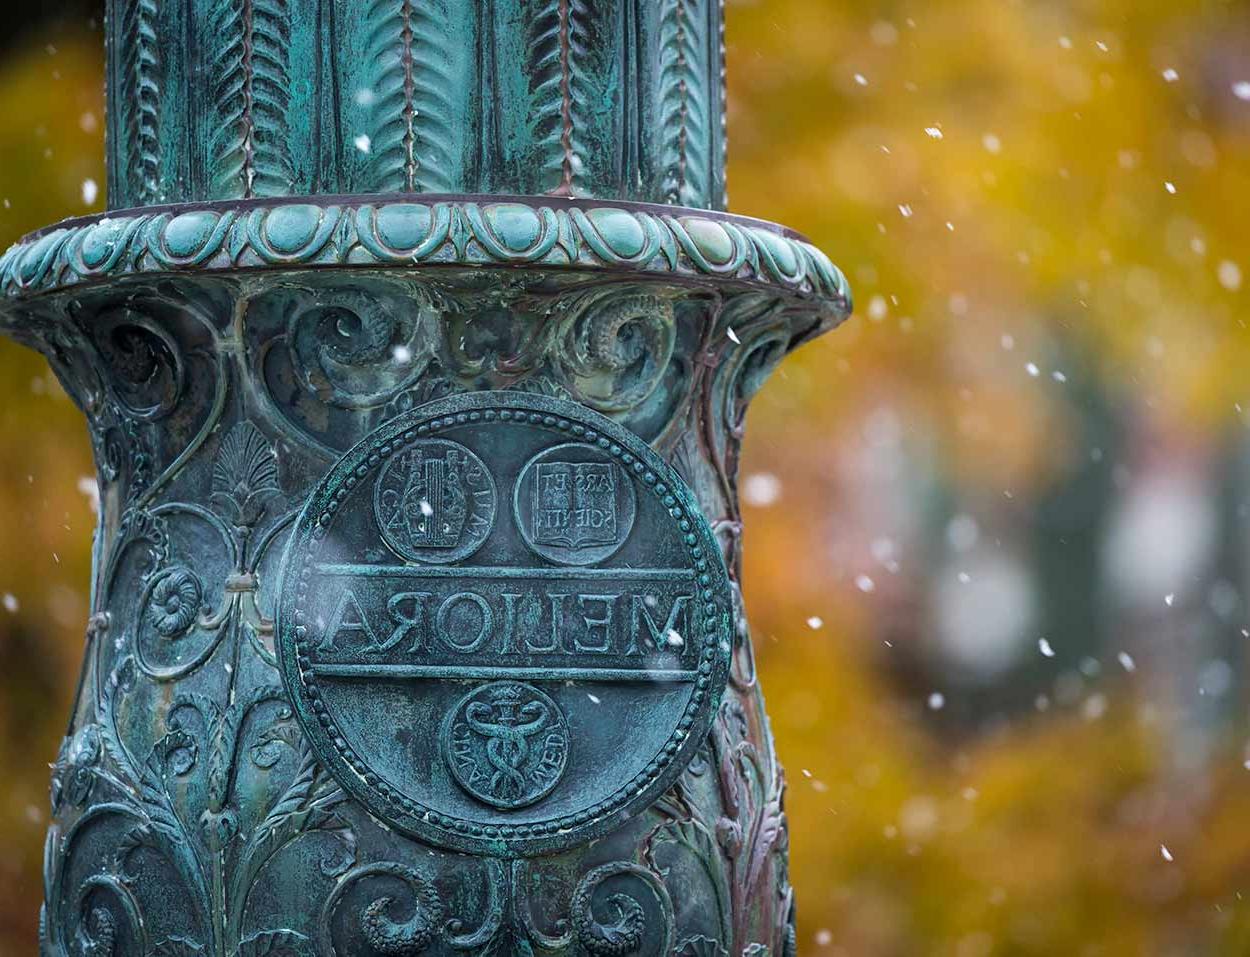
(468,673)
(570,573)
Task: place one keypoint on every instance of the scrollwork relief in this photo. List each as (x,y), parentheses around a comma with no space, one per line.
(186,770)
(356,349)
(737,843)
(616,348)
(148,374)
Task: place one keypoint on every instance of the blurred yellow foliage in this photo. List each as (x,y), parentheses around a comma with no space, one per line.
(1042,208)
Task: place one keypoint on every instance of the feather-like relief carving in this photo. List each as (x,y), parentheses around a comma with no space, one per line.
(685,87)
(249,66)
(245,474)
(579,95)
(140,101)
(545,68)
(272,172)
(433,106)
(228,142)
(388,25)
(559,54)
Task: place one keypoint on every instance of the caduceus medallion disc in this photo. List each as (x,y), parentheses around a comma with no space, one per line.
(504,623)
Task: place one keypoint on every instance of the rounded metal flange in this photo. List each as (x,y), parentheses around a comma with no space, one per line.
(404,231)
(530,692)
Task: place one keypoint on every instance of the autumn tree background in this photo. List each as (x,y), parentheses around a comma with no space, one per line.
(998,524)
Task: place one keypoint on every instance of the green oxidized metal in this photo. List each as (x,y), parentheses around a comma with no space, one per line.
(415,353)
(598,583)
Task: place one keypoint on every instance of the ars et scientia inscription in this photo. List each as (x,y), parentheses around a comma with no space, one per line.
(504,623)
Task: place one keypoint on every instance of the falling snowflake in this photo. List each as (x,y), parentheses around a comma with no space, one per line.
(1044,647)
(1229,275)
(761,489)
(90,488)
(1095,707)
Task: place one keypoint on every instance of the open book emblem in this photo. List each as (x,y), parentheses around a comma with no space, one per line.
(575,504)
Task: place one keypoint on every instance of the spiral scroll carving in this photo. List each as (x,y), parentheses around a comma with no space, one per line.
(148,372)
(616,349)
(356,350)
(610,921)
(380,921)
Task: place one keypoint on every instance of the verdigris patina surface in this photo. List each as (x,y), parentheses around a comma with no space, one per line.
(415,619)
(566,654)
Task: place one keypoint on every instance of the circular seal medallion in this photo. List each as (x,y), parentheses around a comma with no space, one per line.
(504,681)
(506,744)
(434,502)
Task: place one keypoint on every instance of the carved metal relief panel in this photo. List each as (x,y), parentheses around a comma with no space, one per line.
(235,99)
(415,617)
(202,806)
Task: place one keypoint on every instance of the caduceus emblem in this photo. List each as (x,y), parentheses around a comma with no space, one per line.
(507,735)
(507,744)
